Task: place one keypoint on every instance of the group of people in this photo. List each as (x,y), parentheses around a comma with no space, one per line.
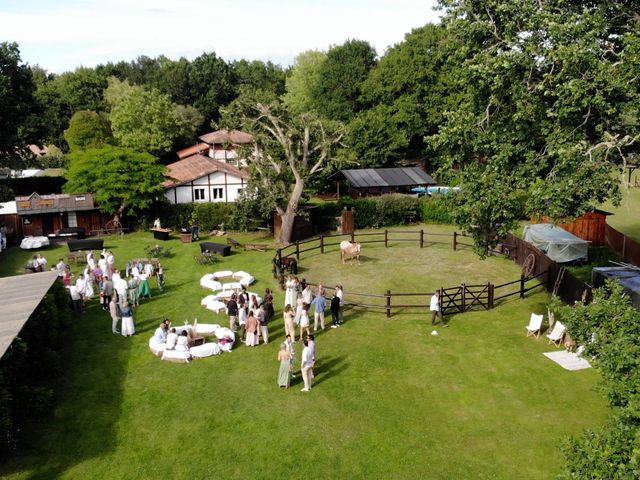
(286,357)
(298,300)
(167,335)
(250,317)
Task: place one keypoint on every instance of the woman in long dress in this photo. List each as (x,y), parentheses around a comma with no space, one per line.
(127,328)
(252,327)
(284,373)
(304,320)
(290,293)
(132,292)
(289,327)
(88,284)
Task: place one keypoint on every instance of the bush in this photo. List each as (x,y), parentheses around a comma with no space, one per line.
(435,210)
(212,215)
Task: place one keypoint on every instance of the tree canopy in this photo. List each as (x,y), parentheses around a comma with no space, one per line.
(120,179)
(88,129)
(303,80)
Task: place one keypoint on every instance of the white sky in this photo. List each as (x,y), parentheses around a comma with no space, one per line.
(60,35)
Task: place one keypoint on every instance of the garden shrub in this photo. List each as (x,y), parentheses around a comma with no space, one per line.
(435,210)
(213,215)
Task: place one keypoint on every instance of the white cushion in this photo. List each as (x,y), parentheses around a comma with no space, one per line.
(231,286)
(176,356)
(225,332)
(241,274)
(34,242)
(225,347)
(225,294)
(246,281)
(205,350)
(216,306)
(207,328)
(156,347)
(222,274)
(209,281)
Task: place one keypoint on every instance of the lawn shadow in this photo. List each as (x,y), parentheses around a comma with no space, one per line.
(324,370)
(88,405)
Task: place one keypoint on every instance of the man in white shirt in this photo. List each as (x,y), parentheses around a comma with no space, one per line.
(306,366)
(436,311)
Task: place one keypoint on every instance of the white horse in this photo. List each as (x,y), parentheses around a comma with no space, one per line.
(351,250)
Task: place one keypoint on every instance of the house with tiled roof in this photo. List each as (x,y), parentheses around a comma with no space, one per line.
(220,145)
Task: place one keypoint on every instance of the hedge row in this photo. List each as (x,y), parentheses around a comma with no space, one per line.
(31,365)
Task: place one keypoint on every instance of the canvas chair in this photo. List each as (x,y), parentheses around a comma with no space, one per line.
(557,334)
(535,325)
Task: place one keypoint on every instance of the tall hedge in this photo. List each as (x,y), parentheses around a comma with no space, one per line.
(31,365)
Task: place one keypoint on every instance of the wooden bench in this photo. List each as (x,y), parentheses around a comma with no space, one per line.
(233,242)
(77,257)
(261,247)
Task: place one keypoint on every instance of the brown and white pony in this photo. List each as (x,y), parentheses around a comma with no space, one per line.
(350,250)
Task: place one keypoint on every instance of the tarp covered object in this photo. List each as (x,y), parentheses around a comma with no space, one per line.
(559,245)
(628,277)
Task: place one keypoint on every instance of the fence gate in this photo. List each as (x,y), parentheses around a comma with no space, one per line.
(466,297)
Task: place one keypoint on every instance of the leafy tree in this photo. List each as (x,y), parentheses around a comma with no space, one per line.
(405,95)
(88,129)
(540,86)
(16,103)
(82,89)
(120,179)
(340,77)
(303,80)
(53,113)
(289,151)
(609,329)
(209,85)
(145,120)
(257,75)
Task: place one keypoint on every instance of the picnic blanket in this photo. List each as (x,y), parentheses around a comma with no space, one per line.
(568,360)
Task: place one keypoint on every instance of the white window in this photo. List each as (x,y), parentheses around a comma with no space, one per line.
(216,193)
(72,219)
(198,193)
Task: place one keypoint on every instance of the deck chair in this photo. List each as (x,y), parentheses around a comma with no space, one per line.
(557,334)
(535,325)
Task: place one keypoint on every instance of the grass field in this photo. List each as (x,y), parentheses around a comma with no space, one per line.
(626,217)
(390,400)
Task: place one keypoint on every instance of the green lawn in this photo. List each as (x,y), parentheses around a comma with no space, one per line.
(390,401)
(626,217)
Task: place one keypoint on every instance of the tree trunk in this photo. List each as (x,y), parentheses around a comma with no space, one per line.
(289,215)
(117,216)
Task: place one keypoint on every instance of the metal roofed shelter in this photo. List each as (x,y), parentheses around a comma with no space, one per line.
(375,181)
(19,297)
(628,277)
(559,245)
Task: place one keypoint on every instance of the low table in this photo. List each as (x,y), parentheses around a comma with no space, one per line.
(161,233)
(87,244)
(224,250)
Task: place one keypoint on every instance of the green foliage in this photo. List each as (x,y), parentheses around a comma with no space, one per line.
(257,75)
(384,211)
(146,121)
(118,178)
(88,129)
(303,80)
(30,364)
(82,89)
(6,194)
(17,104)
(437,209)
(212,215)
(609,329)
(54,158)
(488,206)
(339,79)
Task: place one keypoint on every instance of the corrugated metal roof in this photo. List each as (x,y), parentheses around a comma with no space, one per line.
(387,177)
(19,297)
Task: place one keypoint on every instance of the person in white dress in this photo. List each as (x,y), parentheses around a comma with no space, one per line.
(91,261)
(81,285)
(88,284)
(128,327)
(102,263)
(182,343)
(172,340)
(290,293)
(307,294)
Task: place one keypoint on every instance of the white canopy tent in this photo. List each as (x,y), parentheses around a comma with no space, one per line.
(559,245)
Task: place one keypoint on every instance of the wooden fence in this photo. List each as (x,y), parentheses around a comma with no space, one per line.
(624,246)
(457,299)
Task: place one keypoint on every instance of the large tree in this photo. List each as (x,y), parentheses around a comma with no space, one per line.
(337,91)
(17,104)
(542,86)
(121,180)
(88,129)
(146,120)
(303,80)
(289,151)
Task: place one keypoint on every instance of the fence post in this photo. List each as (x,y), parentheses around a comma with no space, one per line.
(353,237)
(455,241)
(490,295)
(522,280)
(421,238)
(279,254)
(321,243)
(297,250)
(386,238)
(464,298)
(388,303)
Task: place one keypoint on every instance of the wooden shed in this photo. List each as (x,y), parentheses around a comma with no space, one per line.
(590,226)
